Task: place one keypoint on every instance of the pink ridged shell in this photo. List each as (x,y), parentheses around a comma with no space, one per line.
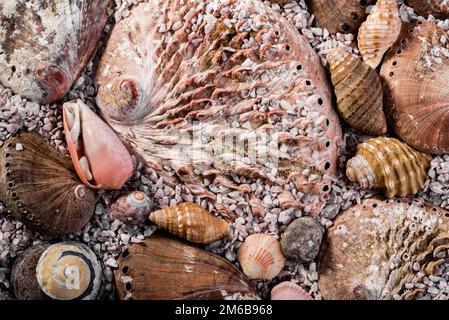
(289,291)
(163,78)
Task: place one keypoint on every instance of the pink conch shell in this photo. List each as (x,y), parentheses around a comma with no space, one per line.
(178,78)
(100,158)
(289,291)
(45,45)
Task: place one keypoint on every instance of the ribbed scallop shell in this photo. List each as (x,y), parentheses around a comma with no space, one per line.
(260,257)
(162,268)
(416,74)
(177,71)
(40,187)
(132,208)
(192,222)
(69,271)
(377,247)
(289,291)
(437,8)
(45,45)
(339,15)
(389,165)
(359,93)
(379,32)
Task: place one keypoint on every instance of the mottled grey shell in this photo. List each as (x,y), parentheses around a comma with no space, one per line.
(45,44)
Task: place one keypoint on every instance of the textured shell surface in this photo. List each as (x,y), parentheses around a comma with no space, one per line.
(132,208)
(378,249)
(69,271)
(162,268)
(359,93)
(339,15)
(289,291)
(100,158)
(261,257)
(415,74)
(41,189)
(192,222)
(44,45)
(389,165)
(379,32)
(179,79)
(23,274)
(437,8)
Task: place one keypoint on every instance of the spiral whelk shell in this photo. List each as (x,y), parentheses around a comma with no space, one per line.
(162,268)
(359,93)
(289,291)
(379,32)
(45,45)
(377,247)
(192,222)
(437,8)
(415,73)
(261,257)
(40,187)
(339,15)
(389,165)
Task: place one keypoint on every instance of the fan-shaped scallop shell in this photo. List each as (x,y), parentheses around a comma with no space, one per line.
(339,15)
(45,45)
(192,222)
(40,187)
(379,32)
(359,93)
(69,271)
(377,250)
(180,78)
(162,268)
(437,8)
(289,291)
(261,257)
(416,73)
(389,165)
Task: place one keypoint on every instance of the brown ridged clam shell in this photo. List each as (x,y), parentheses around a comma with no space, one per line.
(359,93)
(41,188)
(192,222)
(162,268)
(339,15)
(175,70)
(45,45)
(376,247)
(437,8)
(416,73)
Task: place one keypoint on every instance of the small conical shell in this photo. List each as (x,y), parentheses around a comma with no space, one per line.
(190,221)
(289,291)
(437,8)
(261,257)
(69,271)
(40,187)
(359,93)
(379,32)
(390,165)
(132,208)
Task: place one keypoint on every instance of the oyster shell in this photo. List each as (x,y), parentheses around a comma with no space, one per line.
(69,271)
(359,93)
(289,291)
(40,187)
(261,257)
(162,268)
(192,222)
(180,80)
(339,15)
(132,208)
(45,45)
(390,165)
(379,32)
(415,74)
(375,248)
(437,8)
(100,158)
